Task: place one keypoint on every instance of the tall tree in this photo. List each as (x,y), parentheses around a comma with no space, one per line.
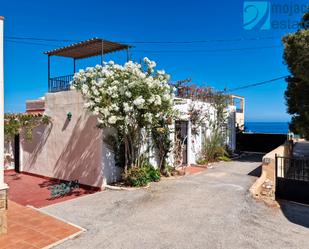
(296,56)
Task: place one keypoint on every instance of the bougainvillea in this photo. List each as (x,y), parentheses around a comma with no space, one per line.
(131,98)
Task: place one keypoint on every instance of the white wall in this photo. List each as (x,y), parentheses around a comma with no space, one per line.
(195,142)
(110,172)
(69,150)
(75,149)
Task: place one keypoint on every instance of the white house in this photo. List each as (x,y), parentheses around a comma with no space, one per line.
(72,147)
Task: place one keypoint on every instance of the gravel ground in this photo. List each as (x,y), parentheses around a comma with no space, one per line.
(212,209)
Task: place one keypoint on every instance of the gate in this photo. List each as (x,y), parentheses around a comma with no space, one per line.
(292,179)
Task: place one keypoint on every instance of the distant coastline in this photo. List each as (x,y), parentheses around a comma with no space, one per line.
(267,127)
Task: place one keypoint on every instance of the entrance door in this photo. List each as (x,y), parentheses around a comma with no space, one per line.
(181,131)
(16,154)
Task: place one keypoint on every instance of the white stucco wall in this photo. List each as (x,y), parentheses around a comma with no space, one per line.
(75,149)
(195,142)
(66,149)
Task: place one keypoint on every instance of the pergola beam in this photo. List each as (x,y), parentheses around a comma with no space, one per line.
(89,48)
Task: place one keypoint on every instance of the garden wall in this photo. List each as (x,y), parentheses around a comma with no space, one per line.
(268,172)
(69,149)
(259,142)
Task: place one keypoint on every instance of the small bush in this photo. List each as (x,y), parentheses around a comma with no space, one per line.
(141,176)
(137,177)
(213,148)
(153,174)
(224,158)
(170,168)
(202,161)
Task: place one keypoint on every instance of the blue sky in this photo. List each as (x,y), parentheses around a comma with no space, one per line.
(131,21)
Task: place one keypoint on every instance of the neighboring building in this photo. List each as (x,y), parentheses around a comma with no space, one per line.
(239,103)
(35,106)
(72,147)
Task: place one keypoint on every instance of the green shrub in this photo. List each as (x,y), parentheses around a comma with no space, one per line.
(224,158)
(141,176)
(170,168)
(137,177)
(201,161)
(154,175)
(213,148)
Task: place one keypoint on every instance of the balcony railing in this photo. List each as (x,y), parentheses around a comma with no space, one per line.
(62,83)
(59,84)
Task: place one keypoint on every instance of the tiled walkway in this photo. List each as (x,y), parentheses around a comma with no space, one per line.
(30,229)
(195,169)
(192,169)
(33,190)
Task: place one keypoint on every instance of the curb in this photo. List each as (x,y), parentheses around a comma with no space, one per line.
(110,187)
(63,240)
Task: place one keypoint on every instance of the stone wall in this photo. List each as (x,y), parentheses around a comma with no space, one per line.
(3,211)
(265,184)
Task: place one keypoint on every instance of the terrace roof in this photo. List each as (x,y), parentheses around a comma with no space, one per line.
(88,48)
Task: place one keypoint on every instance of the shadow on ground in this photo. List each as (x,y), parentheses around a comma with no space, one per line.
(256,172)
(251,158)
(295,213)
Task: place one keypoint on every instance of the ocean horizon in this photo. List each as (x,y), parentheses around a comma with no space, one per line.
(267,127)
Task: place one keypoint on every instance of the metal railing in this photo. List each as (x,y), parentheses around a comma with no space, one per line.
(292,168)
(61,83)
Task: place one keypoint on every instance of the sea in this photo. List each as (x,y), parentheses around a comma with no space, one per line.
(267,127)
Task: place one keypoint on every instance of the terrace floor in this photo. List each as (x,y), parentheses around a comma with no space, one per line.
(31,229)
(32,190)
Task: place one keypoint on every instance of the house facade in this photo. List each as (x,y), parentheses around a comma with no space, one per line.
(73,148)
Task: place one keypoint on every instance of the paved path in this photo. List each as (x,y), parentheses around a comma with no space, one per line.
(28,228)
(210,210)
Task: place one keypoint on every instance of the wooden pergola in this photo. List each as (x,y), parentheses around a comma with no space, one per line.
(81,50)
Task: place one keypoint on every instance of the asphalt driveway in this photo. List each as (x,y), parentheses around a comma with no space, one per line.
(210,210)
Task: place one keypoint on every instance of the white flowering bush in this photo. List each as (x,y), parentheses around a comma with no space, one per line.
(130,98)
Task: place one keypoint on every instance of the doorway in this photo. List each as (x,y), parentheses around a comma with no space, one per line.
(17,153)
(181,132)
